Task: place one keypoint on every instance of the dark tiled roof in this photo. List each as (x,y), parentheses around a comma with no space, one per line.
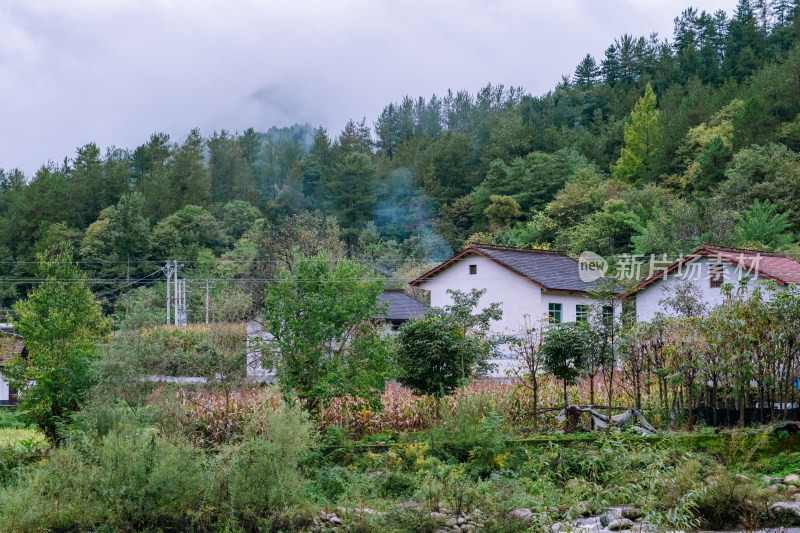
(552,270)
(401,306)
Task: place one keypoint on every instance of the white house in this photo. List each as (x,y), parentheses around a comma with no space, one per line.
(708,269)
(536,283)
(10,346)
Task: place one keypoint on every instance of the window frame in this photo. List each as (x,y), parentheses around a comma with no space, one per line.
(555,312)
(582,312)
(473,269)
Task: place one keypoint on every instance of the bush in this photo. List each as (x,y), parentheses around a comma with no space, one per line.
(114,470)
(10,420)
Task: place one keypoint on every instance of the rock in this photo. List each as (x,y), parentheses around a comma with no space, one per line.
(468,527)
(605,519)
(436,514)
(441,531)
(461,520)
(410,506)
(631,513)
(584,509)
(591,523)
(555,528)
(522,513)
(619,524)
(786,508)
(767,479)
(451,522)
(365,510)
(335,520)
(792,479)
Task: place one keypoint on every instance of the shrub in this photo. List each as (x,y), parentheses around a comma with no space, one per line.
(113,470)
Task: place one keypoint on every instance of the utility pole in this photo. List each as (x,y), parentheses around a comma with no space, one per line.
(128,298)
(168,271)
(207,289)
(175,286)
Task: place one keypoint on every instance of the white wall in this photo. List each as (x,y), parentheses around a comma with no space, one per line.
(647,299)
(516,295)
(256,334)
(5,393)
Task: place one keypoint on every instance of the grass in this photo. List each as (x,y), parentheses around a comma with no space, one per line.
(14,436)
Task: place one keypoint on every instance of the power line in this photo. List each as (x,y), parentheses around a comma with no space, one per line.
(131,283)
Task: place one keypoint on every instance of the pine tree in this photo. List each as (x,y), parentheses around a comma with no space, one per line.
(610,66)
(642,134)
(587,72)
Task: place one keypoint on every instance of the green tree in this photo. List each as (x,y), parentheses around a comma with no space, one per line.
(475,326)
(431,355)
(238,217)
(501,212)
(587,72)
(325,345)
(130,230)
(564,350)
(642,135)
(182,234)
(350,193)
(763,225)
(62,324)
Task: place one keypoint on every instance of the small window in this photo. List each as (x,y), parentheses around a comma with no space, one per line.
(716,275)
(581,313)
(473,269)
(554,310)
(608,314)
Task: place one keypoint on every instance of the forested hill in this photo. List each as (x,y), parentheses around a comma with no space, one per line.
(649,149)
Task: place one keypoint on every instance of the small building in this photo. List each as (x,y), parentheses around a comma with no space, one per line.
(708,268)
(399,307)
(11,346)
(540,284)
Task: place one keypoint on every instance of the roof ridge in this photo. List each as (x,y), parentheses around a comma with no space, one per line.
(516,249)
(741,250)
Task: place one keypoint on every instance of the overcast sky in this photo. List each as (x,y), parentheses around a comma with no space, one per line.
(113,71)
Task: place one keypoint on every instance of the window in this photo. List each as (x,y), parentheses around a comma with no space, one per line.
(608,314)
(581,313)
(554,310)
(473,269)
(716,275)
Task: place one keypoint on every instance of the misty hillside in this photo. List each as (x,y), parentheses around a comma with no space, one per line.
(653,147)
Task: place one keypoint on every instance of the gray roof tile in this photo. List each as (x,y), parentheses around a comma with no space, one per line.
(553,270)
(401,306)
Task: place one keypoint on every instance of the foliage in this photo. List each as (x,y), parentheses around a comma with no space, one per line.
(134,478)
(564,350)
(642,136)
(62,325)
(761,225)
(432,356)
(324,344)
